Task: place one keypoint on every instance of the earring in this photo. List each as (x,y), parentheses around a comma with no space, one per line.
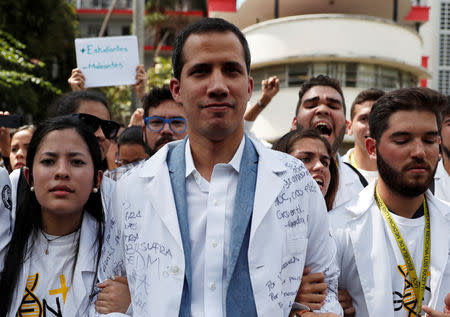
(95,190)
(32,189)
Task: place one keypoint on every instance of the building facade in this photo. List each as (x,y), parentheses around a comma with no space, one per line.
(362,45)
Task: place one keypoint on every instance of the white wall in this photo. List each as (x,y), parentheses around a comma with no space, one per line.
(331,35)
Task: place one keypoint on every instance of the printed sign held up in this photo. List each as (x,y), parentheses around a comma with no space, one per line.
(107,61)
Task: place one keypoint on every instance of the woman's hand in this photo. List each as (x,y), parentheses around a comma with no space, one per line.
(114,297)
(346,302)
(313,290)
(76,80)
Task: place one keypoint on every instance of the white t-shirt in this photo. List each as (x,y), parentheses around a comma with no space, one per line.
(49,280)
(370,176)
(403,297)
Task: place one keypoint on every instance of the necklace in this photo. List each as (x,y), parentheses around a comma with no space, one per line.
(56,238)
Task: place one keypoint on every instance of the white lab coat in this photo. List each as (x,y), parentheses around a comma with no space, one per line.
(359,231)
(442,183)
(83,277)
(349,184)
(143,238)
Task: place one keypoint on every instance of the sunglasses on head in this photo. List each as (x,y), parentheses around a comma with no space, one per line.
(109,128)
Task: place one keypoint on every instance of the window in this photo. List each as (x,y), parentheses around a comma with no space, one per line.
(444,82)
(366,76)
(298,74)
(94,29)
(349,74)
(126,30)
(279,71)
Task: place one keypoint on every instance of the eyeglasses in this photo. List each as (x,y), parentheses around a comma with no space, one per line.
(156,124)
(125,162)
(109,128)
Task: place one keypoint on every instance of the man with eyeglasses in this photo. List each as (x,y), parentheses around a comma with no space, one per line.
(164,119)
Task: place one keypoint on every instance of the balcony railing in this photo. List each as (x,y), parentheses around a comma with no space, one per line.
(185,5)
(103,4)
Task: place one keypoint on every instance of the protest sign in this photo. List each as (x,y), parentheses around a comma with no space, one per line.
(107,61)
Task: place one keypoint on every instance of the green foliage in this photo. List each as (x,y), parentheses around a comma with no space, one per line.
(119,98)
(160,73)
(36,53)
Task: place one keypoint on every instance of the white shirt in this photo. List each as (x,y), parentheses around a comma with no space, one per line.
(48,286)
(412,231)
(210,209)
(349,184)
(442,183)
(370,176)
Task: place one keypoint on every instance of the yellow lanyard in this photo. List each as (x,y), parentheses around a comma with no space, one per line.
(352,159)
(419,286)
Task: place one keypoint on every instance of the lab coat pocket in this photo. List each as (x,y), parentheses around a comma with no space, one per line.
(296,243)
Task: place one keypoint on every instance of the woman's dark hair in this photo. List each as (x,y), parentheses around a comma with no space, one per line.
(70,102)
(28,212)
(286,143)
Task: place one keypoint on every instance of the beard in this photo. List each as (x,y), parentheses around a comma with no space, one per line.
(446,150)
(337,141)
(397,182)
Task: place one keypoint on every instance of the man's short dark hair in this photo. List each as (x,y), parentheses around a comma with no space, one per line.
(321,80)
(206,25)
(409,99)
(371,94)
(134,136)
(155,97)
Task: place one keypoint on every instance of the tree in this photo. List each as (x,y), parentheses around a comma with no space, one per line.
(47,29)
(17,71)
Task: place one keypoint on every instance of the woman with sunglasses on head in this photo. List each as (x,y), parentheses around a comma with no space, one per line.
(49,255)
(92,109)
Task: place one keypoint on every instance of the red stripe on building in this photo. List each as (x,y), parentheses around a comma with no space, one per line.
(163,48)
(185,13)
(425,61)
(105,11)
(222,5)
(418,14)
(130,12)
(423,83)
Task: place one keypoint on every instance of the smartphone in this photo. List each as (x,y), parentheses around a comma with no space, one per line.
(13,121)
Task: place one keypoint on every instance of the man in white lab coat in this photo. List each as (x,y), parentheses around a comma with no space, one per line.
(321,106)
(442,177)
(382,277)
(217,225)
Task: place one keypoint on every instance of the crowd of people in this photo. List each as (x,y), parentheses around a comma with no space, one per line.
(186,213)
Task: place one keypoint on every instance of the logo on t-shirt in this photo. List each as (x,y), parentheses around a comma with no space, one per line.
(407,299)
(32,306)
(6,197)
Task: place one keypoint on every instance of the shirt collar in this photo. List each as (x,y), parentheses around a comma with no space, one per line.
(235,161)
